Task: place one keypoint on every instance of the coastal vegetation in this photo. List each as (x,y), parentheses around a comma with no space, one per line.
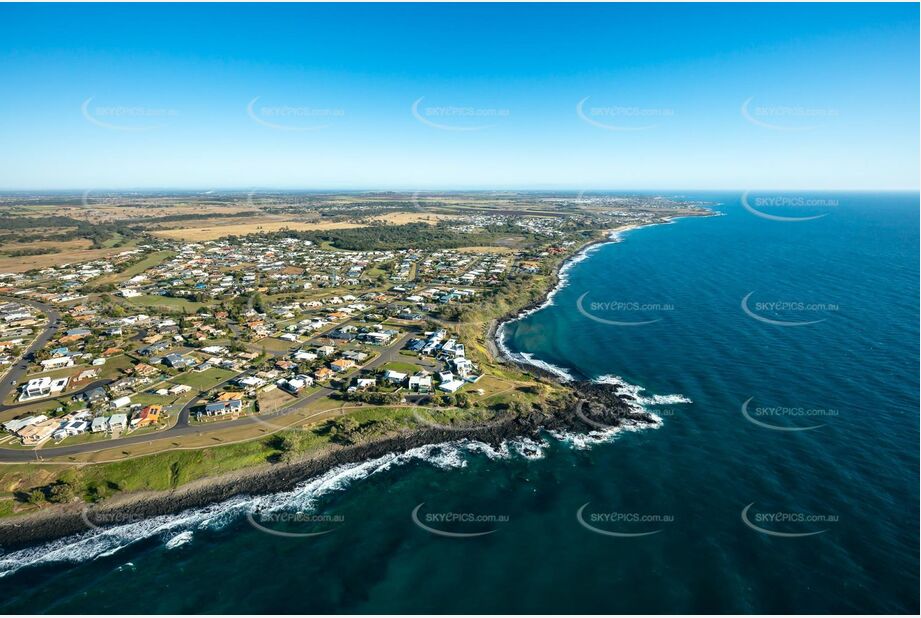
(257,299)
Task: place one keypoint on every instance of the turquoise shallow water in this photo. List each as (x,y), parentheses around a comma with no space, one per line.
(853,480)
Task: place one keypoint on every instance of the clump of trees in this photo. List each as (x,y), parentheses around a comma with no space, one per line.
(347,430)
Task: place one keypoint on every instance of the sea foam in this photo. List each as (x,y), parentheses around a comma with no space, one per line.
(179,529)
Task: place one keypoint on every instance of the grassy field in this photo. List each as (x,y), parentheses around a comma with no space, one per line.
(168,470)
(256,225)
(272,344)
(485,249)
(165,303)
(400,366)
(149,261)
(204,380)
(71,252)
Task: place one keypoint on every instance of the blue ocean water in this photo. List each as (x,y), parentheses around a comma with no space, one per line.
(788,484)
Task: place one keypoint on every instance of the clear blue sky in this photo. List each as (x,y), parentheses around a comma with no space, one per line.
(716,96)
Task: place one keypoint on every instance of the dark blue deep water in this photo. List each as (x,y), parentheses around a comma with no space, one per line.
(822,461)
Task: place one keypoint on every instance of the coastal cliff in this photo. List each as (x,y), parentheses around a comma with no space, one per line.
(583,407)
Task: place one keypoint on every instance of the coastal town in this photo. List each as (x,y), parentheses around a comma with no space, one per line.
(169,342)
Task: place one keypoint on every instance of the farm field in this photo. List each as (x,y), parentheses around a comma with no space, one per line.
(220,228)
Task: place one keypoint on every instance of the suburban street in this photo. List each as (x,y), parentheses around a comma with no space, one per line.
(15,373)
(184,428)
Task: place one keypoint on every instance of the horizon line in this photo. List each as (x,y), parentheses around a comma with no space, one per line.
(212,189)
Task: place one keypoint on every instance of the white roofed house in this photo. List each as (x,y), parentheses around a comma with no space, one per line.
(449,383)
(463,366)
(394,377)
(302,355)
(421,383)
(59,384)
(39,432)
(16,425)
(451,386)
(58,362)
(121,402)
(35,388)
(118,422)
(99,424)
(250,382)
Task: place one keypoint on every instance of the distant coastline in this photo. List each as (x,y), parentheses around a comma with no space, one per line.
(526,362)
(612,405)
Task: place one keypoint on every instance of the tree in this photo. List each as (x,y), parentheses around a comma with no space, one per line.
(346,429)
(60,493)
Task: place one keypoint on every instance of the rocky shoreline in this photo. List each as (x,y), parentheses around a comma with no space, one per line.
(494,330)
(600,407)
(597,406)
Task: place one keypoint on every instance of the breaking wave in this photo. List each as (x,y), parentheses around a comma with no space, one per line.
(562,281)
(179,529)
(584,441)
(633,394)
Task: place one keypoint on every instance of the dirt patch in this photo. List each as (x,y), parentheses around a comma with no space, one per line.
(221,228)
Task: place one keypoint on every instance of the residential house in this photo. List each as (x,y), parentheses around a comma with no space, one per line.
(58,362)
(394,377)
(35,388)
(118,422)
(149,415)
(322,374)
(39,432)
(342,364)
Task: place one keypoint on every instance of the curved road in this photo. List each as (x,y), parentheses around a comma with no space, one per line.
(15,373)
(182,426)
(32,455)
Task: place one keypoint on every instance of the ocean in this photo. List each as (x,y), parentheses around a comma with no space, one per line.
(778,343)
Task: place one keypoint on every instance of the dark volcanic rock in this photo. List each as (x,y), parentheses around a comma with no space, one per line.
(590,407)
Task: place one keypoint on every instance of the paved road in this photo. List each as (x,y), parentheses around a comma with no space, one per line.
(176,431)
(186,410)
(15,373)
(392,353)
(182,426)
(90,386)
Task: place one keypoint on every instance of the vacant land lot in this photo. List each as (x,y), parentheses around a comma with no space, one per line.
(68,252)
(165,303)
(255,225)
(149,261)
(204,380)
(496,249)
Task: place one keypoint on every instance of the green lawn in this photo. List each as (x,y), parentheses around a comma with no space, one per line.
(165,302)
(168,470)
(401,367)
(149,261)
(204,380)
